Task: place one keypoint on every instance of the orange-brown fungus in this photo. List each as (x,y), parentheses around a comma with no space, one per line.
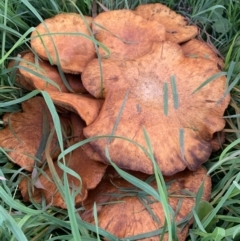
(86,106)
(157,91)
(89,171)
(25,136)
(177,28)
(125,215)
(125,34)
(64,39)
(43,76)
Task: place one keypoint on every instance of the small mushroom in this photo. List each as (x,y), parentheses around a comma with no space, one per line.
(125,34)
(65,40)
(91,173)
(25,136)
(157,91)
(143,214)
(177,28)
(43,76)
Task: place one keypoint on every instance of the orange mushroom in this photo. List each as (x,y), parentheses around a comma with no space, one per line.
(43,76)
(114,194)
(125,34)
(25,136)
(84,105)
(65,39)
(91,173)
(177,28)
(198,49)
(157,91)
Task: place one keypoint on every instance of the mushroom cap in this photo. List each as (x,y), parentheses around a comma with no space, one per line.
(111,198)
(26,135)
(195,48)
(91,173)
(34,74)
(49,189)
(19,79)
(125,34)
(180,124)
(84,105)
(177,28)
(63,34)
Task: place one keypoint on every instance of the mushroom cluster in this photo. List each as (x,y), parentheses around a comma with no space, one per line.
(117,77)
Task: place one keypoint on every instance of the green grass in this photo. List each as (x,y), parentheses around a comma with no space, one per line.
(219,23)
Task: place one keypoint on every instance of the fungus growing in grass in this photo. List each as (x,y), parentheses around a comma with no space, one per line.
(43,76)
(161,101)
(85,105)
(65,40)
(177,28)
(198,49)
(89,172)
(125,211)
(25,135)
(157,91)
(125,34)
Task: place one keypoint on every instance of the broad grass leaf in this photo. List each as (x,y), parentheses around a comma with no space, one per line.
(203,209)
(217,235)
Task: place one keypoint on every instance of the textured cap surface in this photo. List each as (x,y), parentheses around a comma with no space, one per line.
(177,28)
(125,34)
(43,76)
(84,105)
(126,211)
(195,48)
(26,134)
(89,171)
(61,39)
(156,91)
